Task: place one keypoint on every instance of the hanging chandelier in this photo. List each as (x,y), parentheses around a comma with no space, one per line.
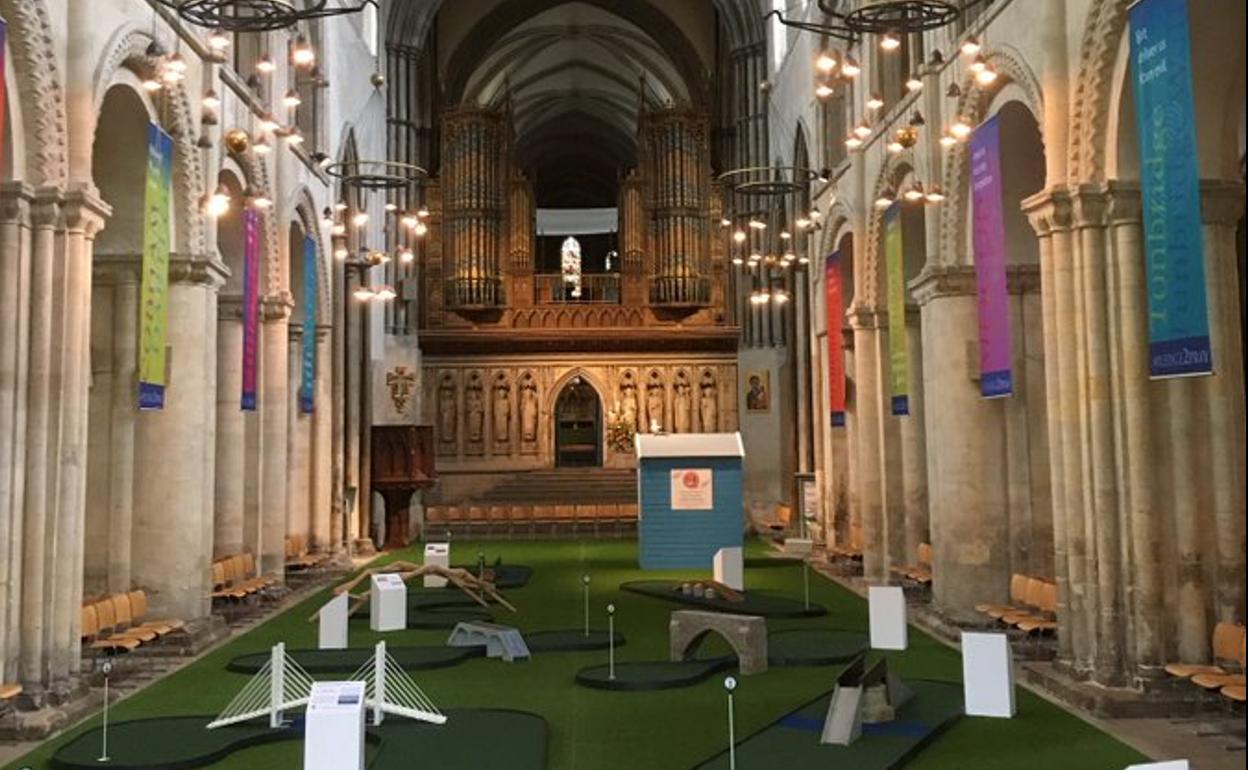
(765,223)
(376,174)
(888,18)
(259,15)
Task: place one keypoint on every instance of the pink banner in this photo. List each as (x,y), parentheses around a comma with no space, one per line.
(995,376)
(836,341)
(252,225)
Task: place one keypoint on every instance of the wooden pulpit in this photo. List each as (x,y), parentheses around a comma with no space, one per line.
(402,464)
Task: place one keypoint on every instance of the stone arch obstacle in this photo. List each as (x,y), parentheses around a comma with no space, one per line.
(746,634)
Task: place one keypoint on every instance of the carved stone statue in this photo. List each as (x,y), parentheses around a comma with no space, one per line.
(502,412)
(654,406)
(682,407)
(528,410)
(475,408)
(628,402)
(448,411)
(708,404)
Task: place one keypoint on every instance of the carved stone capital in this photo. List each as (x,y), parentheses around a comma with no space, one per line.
(1090,205)
(85,211)
(197,269)
(115,269)
(1022,279)
(276,306)
(1124,202)
(45,211)
(862,317)
(230,308)
(1221,202)
(945,281)
(15,202)
(1049,210)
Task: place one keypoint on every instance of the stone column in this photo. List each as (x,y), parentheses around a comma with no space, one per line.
(298,453)
(274,416)
(1146,579)
(15,268)
(1222,206)
(173,521)
(37,557)
(870,431)
(967,476)
(323,534)
(231,452)
(123,410)
(914,452)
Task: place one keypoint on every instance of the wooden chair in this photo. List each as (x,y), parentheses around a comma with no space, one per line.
(9,691)
(522,515)
(1033,598)
(1234,693)
(98,623)
(499,519)
(1227,643)
(125,620)
(1046,620)
(138,610)
(628,515)
(586,516)
(1210,681)
(544,515)
(607,515)
(477,520)
(1018,593)
(435,518)
(455,517)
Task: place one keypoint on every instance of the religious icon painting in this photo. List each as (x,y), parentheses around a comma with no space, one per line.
(758,391)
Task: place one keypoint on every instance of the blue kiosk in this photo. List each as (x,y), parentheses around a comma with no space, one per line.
(689,493)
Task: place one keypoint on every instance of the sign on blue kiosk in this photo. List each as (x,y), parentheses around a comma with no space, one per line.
(689,498)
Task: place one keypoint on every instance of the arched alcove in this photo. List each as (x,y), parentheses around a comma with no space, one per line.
(578,425)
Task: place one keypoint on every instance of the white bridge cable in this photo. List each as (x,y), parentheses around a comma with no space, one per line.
(256,697)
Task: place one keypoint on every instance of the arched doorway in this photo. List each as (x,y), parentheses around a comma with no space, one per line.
(578,426)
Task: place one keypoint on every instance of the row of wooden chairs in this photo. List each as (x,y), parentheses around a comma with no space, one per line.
(1226,675)
(1032,608)
(297,556)
(119,623)
(498,519)
(8,692)
(850,551)
(920,573)
(234,577)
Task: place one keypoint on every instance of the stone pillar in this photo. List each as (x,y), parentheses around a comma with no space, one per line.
(870,431)
(173,521)
(231,452)
(274,418)
(914,496)
(1222,206)
(967,476)
(15,270)
(298,452)
(323,529)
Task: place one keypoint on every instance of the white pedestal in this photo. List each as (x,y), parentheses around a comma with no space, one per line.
(987,675)
(730,568)
(887,611)
(1176,764)
(333,624)
(437,554)
(387,605)
(334,737)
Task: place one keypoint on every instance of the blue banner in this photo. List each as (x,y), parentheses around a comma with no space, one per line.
(307,384)
(1161,74)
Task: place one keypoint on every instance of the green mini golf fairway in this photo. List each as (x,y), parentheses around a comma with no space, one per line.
(592,729)
(757,601)
(814,646)
(515,740)
(793,740)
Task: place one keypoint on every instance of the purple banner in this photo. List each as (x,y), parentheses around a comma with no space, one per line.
(995,376)
(251,304)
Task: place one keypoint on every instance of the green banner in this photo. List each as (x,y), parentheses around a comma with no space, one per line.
(898,359)
(154,299)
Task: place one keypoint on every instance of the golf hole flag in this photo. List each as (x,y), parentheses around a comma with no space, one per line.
(836,343)
(1161,74)
(995,377)
(898,357)
(154,300)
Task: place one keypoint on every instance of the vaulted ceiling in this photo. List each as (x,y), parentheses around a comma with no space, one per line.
(574,74)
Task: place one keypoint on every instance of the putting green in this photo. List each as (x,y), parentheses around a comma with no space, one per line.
(515,740)
(793,740)
(757,601)
(814,646)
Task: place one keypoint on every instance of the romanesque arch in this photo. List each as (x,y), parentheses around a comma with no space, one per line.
(40,89)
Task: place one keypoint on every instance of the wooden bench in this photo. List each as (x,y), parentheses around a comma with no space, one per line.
(1226,674)
(920,573)
(232,578)
(9,691)
(297,556)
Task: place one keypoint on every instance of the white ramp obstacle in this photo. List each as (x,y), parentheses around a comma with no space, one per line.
(499,641)
(279,685)
(389,690)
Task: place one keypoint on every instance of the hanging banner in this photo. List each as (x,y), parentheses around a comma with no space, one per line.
(1161,71)
(4,39)
(836,341)
(988,231)
(252,228)
(898,359)
(307,384)
(154,301)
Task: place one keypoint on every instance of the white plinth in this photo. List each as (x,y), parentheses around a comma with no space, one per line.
(887,611)
(333,624)
(437,554)
(334,738)
(1176,764)
(987,675)
(387,605)
(730,568)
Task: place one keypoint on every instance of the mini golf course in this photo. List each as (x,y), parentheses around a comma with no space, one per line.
(564,725)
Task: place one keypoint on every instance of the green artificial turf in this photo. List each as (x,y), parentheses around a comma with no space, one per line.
(606,730)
